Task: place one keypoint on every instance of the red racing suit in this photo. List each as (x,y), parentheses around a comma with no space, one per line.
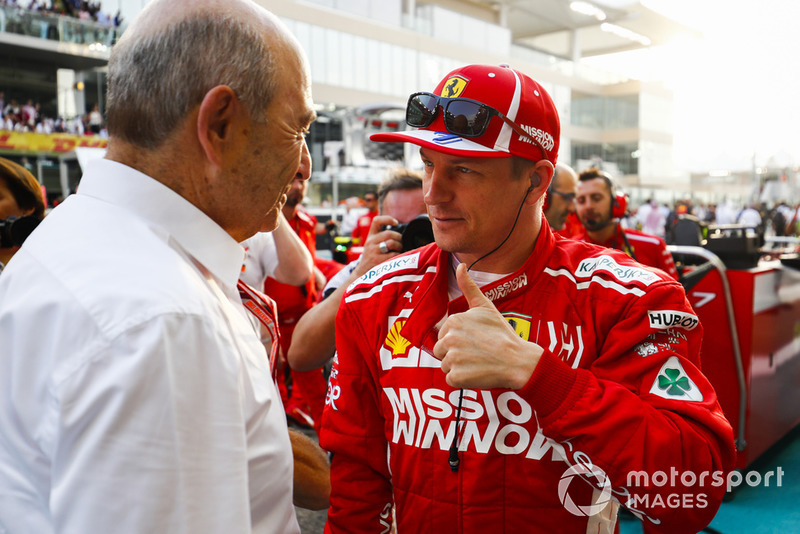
(617,399)
(649,249)
(308,389)
(361,231)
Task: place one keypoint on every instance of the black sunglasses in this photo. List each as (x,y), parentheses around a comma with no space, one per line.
(462,116)
(569,197)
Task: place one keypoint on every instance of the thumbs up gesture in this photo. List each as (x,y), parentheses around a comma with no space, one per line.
(479,348)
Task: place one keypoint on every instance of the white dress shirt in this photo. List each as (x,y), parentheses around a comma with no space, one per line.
(134,394)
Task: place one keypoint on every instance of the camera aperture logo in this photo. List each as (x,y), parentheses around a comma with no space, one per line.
(691,482)
(583,471)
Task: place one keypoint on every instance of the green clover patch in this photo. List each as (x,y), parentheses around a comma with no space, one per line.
(672,384)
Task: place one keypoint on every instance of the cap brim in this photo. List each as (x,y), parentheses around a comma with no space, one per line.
(440,141)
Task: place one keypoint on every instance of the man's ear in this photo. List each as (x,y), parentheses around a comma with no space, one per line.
(218,110)
(540,176)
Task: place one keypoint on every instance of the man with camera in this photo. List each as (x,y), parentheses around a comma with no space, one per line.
(496,380)
(399,203)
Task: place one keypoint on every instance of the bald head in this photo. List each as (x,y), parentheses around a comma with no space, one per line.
(161,14)
(177,50)
(561,196)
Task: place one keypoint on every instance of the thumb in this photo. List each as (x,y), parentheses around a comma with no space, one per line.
(473,294)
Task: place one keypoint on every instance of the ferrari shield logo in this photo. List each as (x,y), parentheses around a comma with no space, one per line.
(520,323)
(453,87)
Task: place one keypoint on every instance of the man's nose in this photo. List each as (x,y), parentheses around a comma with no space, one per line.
(304,170)
(438,190)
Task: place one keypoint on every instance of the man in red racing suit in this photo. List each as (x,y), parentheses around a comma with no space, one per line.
(568,384)
(599,206)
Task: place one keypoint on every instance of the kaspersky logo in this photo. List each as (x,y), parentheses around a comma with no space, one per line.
(453,87)
(673,383)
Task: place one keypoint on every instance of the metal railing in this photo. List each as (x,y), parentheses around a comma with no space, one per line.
(57,28)
(716,263)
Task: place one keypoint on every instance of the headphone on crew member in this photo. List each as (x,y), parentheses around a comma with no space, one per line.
(619,199)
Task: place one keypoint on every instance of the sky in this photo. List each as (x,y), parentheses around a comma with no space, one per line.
(736,91)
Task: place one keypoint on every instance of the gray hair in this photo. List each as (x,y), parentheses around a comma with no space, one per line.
(155,80)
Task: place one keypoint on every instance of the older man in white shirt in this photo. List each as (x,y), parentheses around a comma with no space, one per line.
(136,395)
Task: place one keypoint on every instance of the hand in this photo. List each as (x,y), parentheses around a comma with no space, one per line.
(312,473)
(479,348)
(372,254)
(331,227)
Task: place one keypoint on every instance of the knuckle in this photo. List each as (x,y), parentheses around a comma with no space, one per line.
(455,321)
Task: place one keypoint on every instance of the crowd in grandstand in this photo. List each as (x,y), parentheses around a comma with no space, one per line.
(80,9)
(27,117)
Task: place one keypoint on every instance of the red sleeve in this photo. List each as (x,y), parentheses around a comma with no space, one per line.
(642,411)
(353,430)
(360,232)
(667,264)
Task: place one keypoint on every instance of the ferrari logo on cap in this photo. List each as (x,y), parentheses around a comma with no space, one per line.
(453,87)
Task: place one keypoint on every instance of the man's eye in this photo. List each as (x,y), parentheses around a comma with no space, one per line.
(463,170)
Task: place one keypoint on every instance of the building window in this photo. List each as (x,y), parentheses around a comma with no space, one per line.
(618,159)
(605,113)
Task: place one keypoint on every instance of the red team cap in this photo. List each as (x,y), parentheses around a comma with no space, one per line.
(518,117)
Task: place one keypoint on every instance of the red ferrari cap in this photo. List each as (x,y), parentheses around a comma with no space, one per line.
(516,95)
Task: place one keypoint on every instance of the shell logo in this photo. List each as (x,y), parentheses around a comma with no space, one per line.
(397,343)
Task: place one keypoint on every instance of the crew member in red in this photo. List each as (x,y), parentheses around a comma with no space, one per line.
(599,208)
(361,231)
(504,379)
(304,401)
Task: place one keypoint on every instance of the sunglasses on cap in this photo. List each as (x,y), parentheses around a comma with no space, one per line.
(462,116)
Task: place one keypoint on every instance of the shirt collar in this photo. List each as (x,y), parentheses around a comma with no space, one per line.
(165,209)
(431,304)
